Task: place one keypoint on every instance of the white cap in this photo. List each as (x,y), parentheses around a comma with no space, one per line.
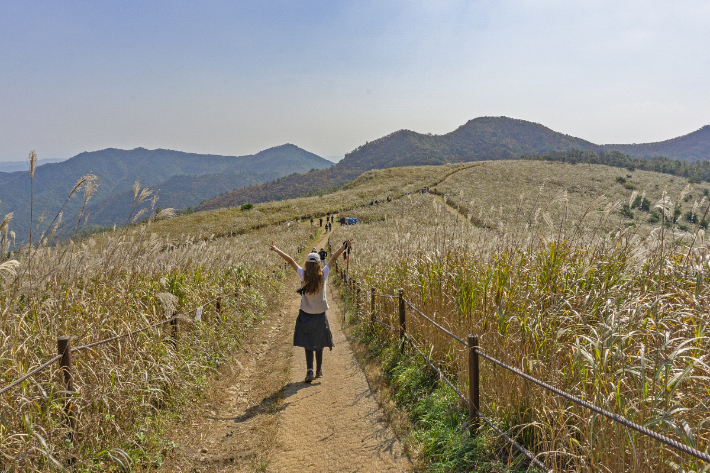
(313,257)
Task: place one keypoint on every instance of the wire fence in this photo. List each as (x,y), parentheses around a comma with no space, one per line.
(473,354)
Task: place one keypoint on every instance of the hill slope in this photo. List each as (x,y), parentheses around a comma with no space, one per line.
(691,147)
(117,170)
(480,139)
(485,138)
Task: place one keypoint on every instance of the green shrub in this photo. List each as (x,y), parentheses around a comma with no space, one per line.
(246,206)
(654,218)
(645,205)
(626,211)
(690,217)
(621,180)
(630,186)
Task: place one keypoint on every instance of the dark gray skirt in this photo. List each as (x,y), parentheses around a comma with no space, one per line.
(312,332)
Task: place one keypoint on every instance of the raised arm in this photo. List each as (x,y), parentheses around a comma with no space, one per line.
(335,255)
(290,260)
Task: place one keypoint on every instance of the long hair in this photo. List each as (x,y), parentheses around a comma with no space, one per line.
(312,278)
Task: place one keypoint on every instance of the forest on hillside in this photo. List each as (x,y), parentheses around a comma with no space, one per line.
(696,171)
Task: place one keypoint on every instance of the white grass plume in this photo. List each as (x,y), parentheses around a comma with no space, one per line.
(9,268)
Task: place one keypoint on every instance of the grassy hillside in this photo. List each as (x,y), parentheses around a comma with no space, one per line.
(557,284)
(691,147)
(501,195)
(117,170)
(479,139)
(559,281)
(370,186)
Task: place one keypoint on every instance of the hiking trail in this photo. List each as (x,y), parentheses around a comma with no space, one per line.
(261,416)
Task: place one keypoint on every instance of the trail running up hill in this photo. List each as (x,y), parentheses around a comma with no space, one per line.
(263,417)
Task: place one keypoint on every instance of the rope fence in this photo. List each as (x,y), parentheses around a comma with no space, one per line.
(474,378)
(65,350)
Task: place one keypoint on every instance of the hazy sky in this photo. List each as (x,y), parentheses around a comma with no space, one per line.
(238,77)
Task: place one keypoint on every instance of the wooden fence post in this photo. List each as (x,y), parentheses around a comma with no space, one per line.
(372,308)
(65,367)
(402,320)
(174,328)
(473,384)
(357,301)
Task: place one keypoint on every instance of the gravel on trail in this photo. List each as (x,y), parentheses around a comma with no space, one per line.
(261,416)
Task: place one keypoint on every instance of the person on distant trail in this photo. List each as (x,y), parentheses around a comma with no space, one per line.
(322,253)
(311,222)
(321,221)
(312,331)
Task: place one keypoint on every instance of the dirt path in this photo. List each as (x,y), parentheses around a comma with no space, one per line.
(263,417)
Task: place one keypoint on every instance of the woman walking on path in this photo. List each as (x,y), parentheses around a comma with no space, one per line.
(312,331)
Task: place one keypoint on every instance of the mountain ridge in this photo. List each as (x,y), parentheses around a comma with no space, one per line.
(118,169)
(482,138)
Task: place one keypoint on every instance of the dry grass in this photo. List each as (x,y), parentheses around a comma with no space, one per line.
(128,278)
(372,185)
(612,314)
(98,288)
(507,194)
(556,284)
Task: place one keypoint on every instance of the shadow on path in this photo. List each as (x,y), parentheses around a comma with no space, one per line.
(269,404)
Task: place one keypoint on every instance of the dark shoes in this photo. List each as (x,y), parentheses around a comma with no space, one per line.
(309,377)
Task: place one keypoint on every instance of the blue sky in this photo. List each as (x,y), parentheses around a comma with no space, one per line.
(238,77)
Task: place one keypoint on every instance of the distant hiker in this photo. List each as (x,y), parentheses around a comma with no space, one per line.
(321,222)
(311,222)
(312,331)
(322,253)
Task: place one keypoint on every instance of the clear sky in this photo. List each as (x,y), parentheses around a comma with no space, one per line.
(236,77)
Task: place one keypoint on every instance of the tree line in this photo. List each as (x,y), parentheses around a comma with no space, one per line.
(695,172)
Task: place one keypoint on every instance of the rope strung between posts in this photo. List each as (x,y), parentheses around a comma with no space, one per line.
(382,323)
(436,325)
(34,371)
(515,444)
(163,322)
(101,342)
(441,375)
(519,447)
(386,295)
(616,418)
(610,415)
